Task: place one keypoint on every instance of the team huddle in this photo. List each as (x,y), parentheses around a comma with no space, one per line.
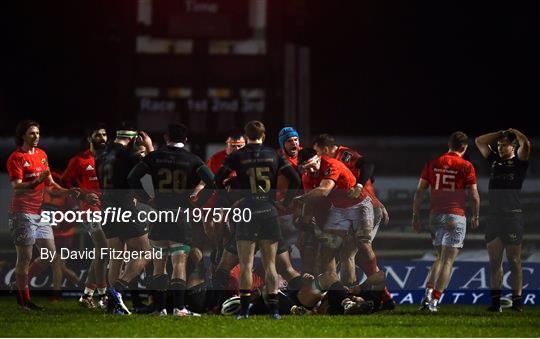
(319,199)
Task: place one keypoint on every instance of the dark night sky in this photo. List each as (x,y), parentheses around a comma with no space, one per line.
(433,68)
(400,68)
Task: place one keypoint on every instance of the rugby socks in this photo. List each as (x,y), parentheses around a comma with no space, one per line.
(89,290)
(245,296)
(272,303)
(336,293)
(158,286)
(178,290)
(437,294)
(517,301)
(21,281)
(386,295)
(102,288)
(370,267)
(220,283)
(496,298)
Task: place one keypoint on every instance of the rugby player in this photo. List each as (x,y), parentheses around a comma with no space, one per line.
(257,168)
(175,173)
(30,177)
(449,176)
(504,231)
(325,177)
(113,166)
(363,169)
(81,172)
(214,230)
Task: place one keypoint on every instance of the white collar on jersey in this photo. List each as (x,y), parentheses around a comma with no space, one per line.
(178,144)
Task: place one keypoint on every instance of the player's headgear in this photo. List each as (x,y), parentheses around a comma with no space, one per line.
(285,134)
(231,306)
(126,130)
(21,129)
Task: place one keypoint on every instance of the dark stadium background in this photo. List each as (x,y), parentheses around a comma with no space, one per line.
(392,79)
(377,68)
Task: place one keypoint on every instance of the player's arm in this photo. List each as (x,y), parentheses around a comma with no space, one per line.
(419,194)
(223,172)
(524,150)
(325,188)
(475,201)
(207,178)
(134,180)
(16,175)
(483,142)
(17,184)
(366,168)
(146,141)
(293,179)
(55,189)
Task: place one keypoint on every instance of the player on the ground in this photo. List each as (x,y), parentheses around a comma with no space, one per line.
(325,177)
(449,177)
(81,172)
(505,220)
(175,173)
(257,168)
(362,168)
(29,174)
(113,166)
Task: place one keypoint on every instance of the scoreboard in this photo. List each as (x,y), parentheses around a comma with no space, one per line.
(199,19)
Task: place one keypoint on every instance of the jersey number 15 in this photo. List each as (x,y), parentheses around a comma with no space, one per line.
(448,182)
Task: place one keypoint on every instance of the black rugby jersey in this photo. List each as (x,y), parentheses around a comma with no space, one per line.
(505,183)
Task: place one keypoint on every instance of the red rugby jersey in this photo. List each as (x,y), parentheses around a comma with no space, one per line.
(336,171)
(81,171)
(216,160)
(27,167)
(448,175)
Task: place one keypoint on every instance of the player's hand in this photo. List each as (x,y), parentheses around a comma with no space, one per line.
(416,223)
(308,277)
(280,207)
(298,201)
(386,217)
(475,222)
(147,141)
(91,198)
(74,192)
(43,175)
(355,191)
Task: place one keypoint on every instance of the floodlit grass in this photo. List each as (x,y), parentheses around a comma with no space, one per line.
(67,319)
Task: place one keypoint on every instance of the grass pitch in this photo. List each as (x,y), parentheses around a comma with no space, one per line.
(67,319)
